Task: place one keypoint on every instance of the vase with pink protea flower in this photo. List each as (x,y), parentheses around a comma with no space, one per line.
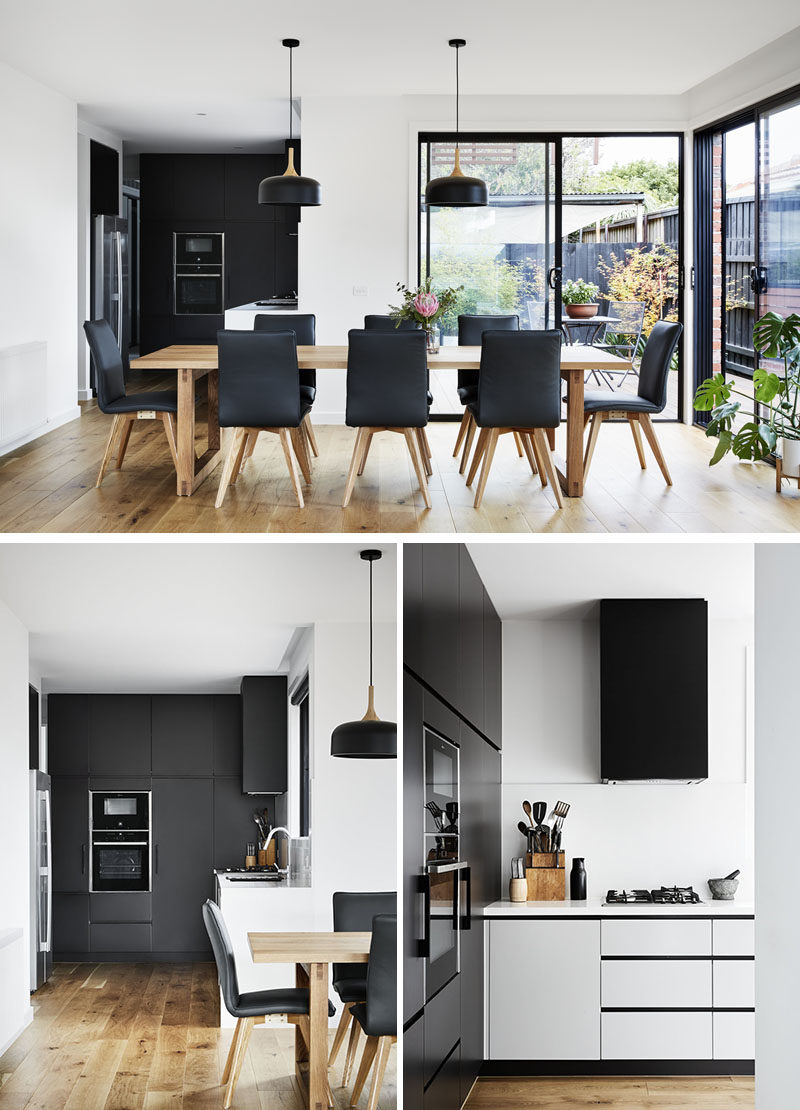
(426,307)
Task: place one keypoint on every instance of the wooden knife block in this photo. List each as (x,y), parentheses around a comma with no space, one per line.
(546,876)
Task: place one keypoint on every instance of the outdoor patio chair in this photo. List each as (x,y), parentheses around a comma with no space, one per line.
(620,339)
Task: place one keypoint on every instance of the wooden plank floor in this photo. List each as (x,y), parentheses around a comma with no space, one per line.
(48,486)
(636,1093)
(125,1036)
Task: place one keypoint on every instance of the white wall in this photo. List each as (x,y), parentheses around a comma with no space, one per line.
(633,835)
(15,1010)
(38,276)
(777,775)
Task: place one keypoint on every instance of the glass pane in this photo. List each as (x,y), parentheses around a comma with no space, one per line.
(780,209)
(738,216)
(620,226)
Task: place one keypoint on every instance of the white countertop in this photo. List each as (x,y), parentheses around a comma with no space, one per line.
(223,878)
(593,907)
(253,307)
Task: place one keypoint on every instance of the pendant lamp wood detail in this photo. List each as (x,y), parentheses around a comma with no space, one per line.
(457,190)
(369,738)
(290,187)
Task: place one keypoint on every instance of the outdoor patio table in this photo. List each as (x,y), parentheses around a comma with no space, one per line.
(596,322)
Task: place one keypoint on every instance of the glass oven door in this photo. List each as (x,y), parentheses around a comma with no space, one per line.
(198,294)
(441,945)
(120,865)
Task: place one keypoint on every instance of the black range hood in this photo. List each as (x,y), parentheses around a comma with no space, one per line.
(654,690)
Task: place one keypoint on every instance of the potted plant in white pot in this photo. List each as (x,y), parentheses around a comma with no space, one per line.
(776,430)
(579,297)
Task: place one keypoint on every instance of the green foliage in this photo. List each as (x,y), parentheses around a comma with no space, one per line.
(407,311)
(579,292)
(648,274)
(657,181)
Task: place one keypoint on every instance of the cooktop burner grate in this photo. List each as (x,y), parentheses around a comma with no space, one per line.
(662,896)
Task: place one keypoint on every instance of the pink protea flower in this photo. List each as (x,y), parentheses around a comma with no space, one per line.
(426,304)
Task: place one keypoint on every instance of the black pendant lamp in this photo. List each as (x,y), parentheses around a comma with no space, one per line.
(369,738)
(290,187)
(457,190)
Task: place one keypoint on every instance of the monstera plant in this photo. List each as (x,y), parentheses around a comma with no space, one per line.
(775,420)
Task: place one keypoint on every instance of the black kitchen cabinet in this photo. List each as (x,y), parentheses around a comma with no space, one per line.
(412,607)
(249,263)
(440,626)
(286,279)
(265,708)
(413,1064)
(182,863)
(413,847)
(68,734)
(492,673)
(470,641)
(156,173)
(233,822)
(198,187)
(70,841)
(119,734)
(183,734)
(243,174)
(70,926)
(228,735)
(444,1092)
(156,273)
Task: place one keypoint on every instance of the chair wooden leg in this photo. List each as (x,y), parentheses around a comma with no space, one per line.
(594,432)
(370,1049)
(169,431)
(312,439)
(546,455)
(288,454)
(423,451)
(637,439)
(241,1051)
(123,442)
(538,457)
(527,444)
(232,463)
(365,452)
(416,458)
(518,442)
(488,456)
(425,444)
(384,1048)
(116,429)
(650,433)
(350,1058)
(248,447)
(467,445)
(480,449)
(232,1051)
(341,1033)
(462,431)
(299,444)
(358,447)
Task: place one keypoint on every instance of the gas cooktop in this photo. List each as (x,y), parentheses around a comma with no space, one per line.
(663,896)
(251,875)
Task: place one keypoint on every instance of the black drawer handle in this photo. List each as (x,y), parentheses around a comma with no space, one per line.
(155,859)
(83,859)
(424,945)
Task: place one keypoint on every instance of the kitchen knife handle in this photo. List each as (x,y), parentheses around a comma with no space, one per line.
(83,859)
(466,917)
(424,888)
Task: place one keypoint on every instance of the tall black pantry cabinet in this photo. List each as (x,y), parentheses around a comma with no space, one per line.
(452,685)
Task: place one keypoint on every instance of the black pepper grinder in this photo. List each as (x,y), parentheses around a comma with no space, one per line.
(577,880)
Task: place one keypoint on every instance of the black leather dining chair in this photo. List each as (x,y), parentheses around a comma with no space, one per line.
(377,322)
(601,405)
(518,390)
(377,1015)
(259,391)
(304,326)
(247,1007)
(386,392)
(470,332)
(112,398)
(353,913)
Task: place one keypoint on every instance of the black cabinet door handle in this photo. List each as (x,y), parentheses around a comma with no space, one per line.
(155,860)
(83,859)
(424,945)
(466,917)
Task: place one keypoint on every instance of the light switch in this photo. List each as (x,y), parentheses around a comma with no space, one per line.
(359,290)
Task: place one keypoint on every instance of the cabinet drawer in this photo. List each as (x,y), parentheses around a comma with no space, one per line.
(655,938)
(734,983)
(120,938)
(734,938)
(734,1036)
(445,1091)
(657,1036)
(442,1025)
(120,907)
(656,983)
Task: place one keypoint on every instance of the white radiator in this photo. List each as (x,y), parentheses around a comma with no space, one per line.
(23,391)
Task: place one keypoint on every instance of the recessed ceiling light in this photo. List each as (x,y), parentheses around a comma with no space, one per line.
(202,113)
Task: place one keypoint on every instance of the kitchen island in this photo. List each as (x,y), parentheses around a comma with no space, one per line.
(241,317)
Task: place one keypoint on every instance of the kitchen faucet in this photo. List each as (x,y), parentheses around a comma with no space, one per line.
(277,829)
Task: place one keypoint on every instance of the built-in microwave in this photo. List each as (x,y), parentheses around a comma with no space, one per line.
(204,248)
(123,809)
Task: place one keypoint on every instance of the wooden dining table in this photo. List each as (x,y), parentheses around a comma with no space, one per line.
(191,362)
(311,953)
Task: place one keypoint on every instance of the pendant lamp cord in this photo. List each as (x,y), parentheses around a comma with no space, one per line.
(457,49)
(370,624)
(291,54)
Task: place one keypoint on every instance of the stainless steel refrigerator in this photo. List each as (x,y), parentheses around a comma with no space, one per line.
(41,880)
(110,278)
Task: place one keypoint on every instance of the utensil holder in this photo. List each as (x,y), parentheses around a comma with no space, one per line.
(249,862)
(546,877)
(262,858)
(518,890)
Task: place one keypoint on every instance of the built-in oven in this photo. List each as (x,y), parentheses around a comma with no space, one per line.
(199,273)
(120,809)
(204,248)
(120,860)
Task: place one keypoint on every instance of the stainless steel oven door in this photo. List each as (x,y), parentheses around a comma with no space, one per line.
(198,294)
(120,865)
(446,911)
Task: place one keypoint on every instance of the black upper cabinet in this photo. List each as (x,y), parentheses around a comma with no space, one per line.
(119,734)
(199,187)
(182,863)
(70,846)
(228,735)
(412,607)
(470,641)
(440,630)
(492,673)
(264,734)
(249,263)
(183,734)
(103,179)
(68,734)
(285,258)
(156,172)
(243,174)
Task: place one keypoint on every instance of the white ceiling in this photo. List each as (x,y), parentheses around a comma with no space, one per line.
(144,70)
(180,617)
(564,581)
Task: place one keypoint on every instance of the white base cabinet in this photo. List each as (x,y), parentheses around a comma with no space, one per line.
(637,1036)
(734,1036)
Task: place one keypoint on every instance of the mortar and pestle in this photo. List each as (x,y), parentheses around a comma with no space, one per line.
(723,890)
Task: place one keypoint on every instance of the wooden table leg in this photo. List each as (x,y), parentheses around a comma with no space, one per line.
(185,436)
(213,410)
(300,1049)
(318,1049)
(572,482)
